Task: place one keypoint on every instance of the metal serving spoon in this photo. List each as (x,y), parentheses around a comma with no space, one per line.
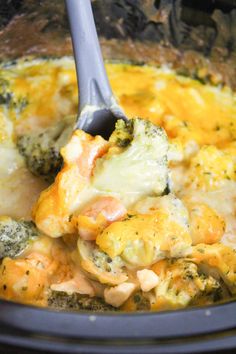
(98,109)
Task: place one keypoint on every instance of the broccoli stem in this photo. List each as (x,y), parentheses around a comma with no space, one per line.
(63,301)
(15,236)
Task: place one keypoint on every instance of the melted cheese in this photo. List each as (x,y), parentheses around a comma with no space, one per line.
(186,108)
(200,121)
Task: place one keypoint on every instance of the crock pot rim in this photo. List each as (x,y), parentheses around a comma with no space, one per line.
(147,325)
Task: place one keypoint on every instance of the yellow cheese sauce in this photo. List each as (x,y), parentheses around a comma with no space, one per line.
(186,108)
(200,121)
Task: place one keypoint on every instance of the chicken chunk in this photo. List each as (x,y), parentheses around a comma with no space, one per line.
(147,279)
(97,215)
(142,239)
(52,212)
(117,295)
(28,279)
(93,167)
(206,226)
(211,169)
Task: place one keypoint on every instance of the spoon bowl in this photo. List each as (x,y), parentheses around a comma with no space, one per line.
(98,108)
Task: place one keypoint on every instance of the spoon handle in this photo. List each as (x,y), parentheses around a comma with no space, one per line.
(94,88)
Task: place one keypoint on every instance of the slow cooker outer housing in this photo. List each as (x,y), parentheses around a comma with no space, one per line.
(186,35)
(194,330)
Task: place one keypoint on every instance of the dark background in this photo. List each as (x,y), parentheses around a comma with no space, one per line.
(186,34)
(199,24)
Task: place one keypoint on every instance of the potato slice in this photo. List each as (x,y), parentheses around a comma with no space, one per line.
(99,265)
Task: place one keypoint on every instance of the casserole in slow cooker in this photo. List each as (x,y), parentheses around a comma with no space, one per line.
(186,87)
(144,221)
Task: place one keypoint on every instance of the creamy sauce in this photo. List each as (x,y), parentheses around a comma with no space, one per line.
(189,111)
(194,116)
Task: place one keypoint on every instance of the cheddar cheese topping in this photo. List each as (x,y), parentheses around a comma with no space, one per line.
(142,221)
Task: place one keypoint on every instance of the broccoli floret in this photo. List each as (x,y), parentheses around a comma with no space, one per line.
(99,265)
(123,134)
(181,283)
(136,164)
(15,236)
(62,301)
(141,302)
(42,150)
